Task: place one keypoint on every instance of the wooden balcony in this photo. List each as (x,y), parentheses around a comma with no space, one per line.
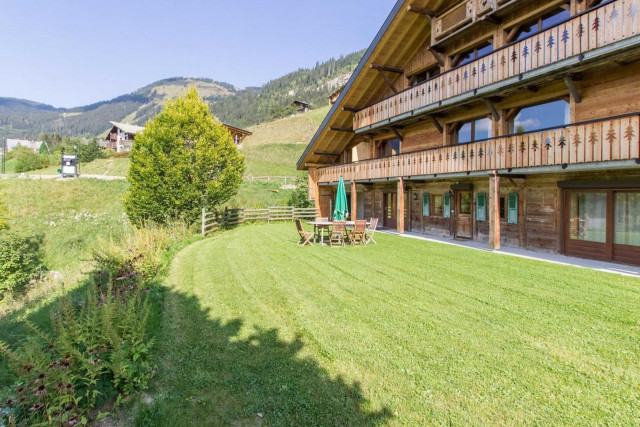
(602,26)
(610,139)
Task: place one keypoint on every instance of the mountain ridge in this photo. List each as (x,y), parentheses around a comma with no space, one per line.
(243,107)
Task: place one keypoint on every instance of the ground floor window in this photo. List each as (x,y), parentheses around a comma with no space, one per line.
(626,229)
(481,207)
(437,204)
(588,217)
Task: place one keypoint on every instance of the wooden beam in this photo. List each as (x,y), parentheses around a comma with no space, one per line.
(421,11)
(389,82)
(387,68)
(436,123)
(351,109)
(494,210)
(438,55)
(322,153)
(511,113)
(573,90)
(511,35)
(338,129)
(400,206)
(492,109)
(354,201)
(491,19)
(398,135)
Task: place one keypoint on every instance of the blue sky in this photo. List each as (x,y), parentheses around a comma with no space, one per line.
(75,52)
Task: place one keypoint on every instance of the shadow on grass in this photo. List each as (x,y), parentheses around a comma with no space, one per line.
(209,375)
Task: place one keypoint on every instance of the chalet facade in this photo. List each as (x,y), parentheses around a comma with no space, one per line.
(237,134)
(514,123)
(121,136)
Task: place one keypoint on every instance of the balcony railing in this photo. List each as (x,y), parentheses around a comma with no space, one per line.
(613,138)
(601,26)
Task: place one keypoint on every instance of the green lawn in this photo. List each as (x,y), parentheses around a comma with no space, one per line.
(272,159)
(405,332)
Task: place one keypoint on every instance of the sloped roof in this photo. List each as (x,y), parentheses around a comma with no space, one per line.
(237,129)
(400,37)
(128,128)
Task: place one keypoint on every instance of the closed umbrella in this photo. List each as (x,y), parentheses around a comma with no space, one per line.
(341,210)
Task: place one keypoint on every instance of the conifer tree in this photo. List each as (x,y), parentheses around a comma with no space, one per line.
(183,161)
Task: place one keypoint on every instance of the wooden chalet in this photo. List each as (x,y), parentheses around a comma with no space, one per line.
(510,122)
(303,107)
(121,136)
(238,134)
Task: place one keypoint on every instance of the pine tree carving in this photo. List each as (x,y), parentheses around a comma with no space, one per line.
(593,137)
(563,141)
(535,145)
(596,24)
(611,135)
(580,31)
(629,133)
(522,146)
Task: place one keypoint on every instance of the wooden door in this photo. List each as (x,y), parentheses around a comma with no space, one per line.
(603,225)
(390,208)
(463,219)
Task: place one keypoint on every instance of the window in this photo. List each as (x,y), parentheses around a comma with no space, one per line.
(542,23)
(465,203)
(474,130)
(447,205)
(512,208)
(481,207)
(389,148)
(541,116)
(627,219)
(425,75)
(437,205)
(425,204)
(503,211)
(470,55)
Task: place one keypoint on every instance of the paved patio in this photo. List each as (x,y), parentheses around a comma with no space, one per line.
(608,267)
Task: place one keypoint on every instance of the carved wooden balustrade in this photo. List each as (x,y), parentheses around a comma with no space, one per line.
(604,25)
(614,138)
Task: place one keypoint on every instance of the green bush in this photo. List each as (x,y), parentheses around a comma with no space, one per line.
(183,161)
(27,160)
(300,196)
(99,346)
(20,262)
(88,153)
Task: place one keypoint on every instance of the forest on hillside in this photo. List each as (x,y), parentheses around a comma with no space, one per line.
(273,100)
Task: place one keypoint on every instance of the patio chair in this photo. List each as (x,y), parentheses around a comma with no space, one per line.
(368,237)
(338,233)
(304,235)
(358,233)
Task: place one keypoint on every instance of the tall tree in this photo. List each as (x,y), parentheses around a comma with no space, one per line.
(183,161)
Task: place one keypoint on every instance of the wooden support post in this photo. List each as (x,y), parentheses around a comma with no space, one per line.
(492,109)
(400,205)
(573,90)
(354,201)
(204,214)
(436,123)
(494,210)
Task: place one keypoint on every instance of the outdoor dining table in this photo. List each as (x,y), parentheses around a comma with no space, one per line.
(327,224)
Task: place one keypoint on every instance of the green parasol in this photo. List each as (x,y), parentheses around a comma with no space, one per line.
(341,210)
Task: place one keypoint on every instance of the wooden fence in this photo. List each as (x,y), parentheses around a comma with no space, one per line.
(214,220)
(271,178)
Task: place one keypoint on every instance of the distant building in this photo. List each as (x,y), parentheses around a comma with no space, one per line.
(302,106)
(121,136)
(238,134)
(12,144)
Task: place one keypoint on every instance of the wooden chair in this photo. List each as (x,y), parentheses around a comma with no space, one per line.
(359,232)
(368,237)
(304,235)
(338,233)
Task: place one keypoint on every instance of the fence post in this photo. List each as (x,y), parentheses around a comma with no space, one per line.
(203,220)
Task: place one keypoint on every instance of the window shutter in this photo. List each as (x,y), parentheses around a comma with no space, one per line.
(446,201)
(425,204)
(512,208)
(481,207)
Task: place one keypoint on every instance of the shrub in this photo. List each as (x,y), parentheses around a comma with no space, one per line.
(27,160)
(20,262)
(89,152)
(300,196)
(183,161)
(98,346)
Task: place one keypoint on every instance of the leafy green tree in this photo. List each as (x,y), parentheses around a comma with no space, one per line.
(300,196)
(89,152)
(183,161)
(27,160)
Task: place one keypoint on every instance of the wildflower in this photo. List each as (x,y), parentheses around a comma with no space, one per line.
(95,361)
(54,363)
(72,422)
(41,376)
(21,389)
(147,290)
(41,391)
(51,347)
(9,403)
(28,367)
